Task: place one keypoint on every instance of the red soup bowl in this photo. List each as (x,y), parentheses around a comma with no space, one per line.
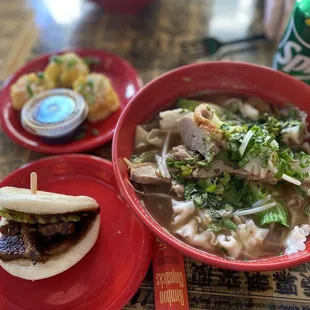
(123,6)
(240,78)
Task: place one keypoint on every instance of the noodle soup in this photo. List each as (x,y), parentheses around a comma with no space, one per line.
(227,174)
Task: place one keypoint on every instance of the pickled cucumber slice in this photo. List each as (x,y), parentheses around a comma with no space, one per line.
(38,219)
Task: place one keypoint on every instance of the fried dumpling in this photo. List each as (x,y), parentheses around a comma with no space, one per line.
(99,95)
(27,86)
(64,69)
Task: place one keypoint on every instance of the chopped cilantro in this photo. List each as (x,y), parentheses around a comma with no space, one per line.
(40,75)
(223,156)
(198,200)
(29,90)
(56,59)
(189,190)
(90,83)
(95,132)
(71,63)
(232,197)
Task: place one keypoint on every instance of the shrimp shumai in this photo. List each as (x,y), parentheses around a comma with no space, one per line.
(227,174)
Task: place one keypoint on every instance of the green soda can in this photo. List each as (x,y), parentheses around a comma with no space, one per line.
(293,52)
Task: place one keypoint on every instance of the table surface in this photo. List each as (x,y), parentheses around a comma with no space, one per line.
(151,41)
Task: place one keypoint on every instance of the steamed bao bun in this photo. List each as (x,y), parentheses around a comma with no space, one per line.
(27,86)
(64,69)
(99,95)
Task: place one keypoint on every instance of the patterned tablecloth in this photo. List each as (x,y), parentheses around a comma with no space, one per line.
(151,41)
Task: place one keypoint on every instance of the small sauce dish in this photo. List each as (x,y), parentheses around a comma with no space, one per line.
(55,115)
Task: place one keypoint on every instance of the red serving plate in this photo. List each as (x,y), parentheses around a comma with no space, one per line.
(109,275)
(124,79)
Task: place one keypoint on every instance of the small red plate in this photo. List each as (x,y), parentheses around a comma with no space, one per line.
(124,79)
(109,275)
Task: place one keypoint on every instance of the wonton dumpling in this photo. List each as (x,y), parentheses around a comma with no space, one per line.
(296,239)
(189,230)
(169,119)
(27,86)
(182,209)
(206,240)
(231,245)
(64,69)
(99,94)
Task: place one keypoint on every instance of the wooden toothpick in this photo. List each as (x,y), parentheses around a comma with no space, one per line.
(33,183)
